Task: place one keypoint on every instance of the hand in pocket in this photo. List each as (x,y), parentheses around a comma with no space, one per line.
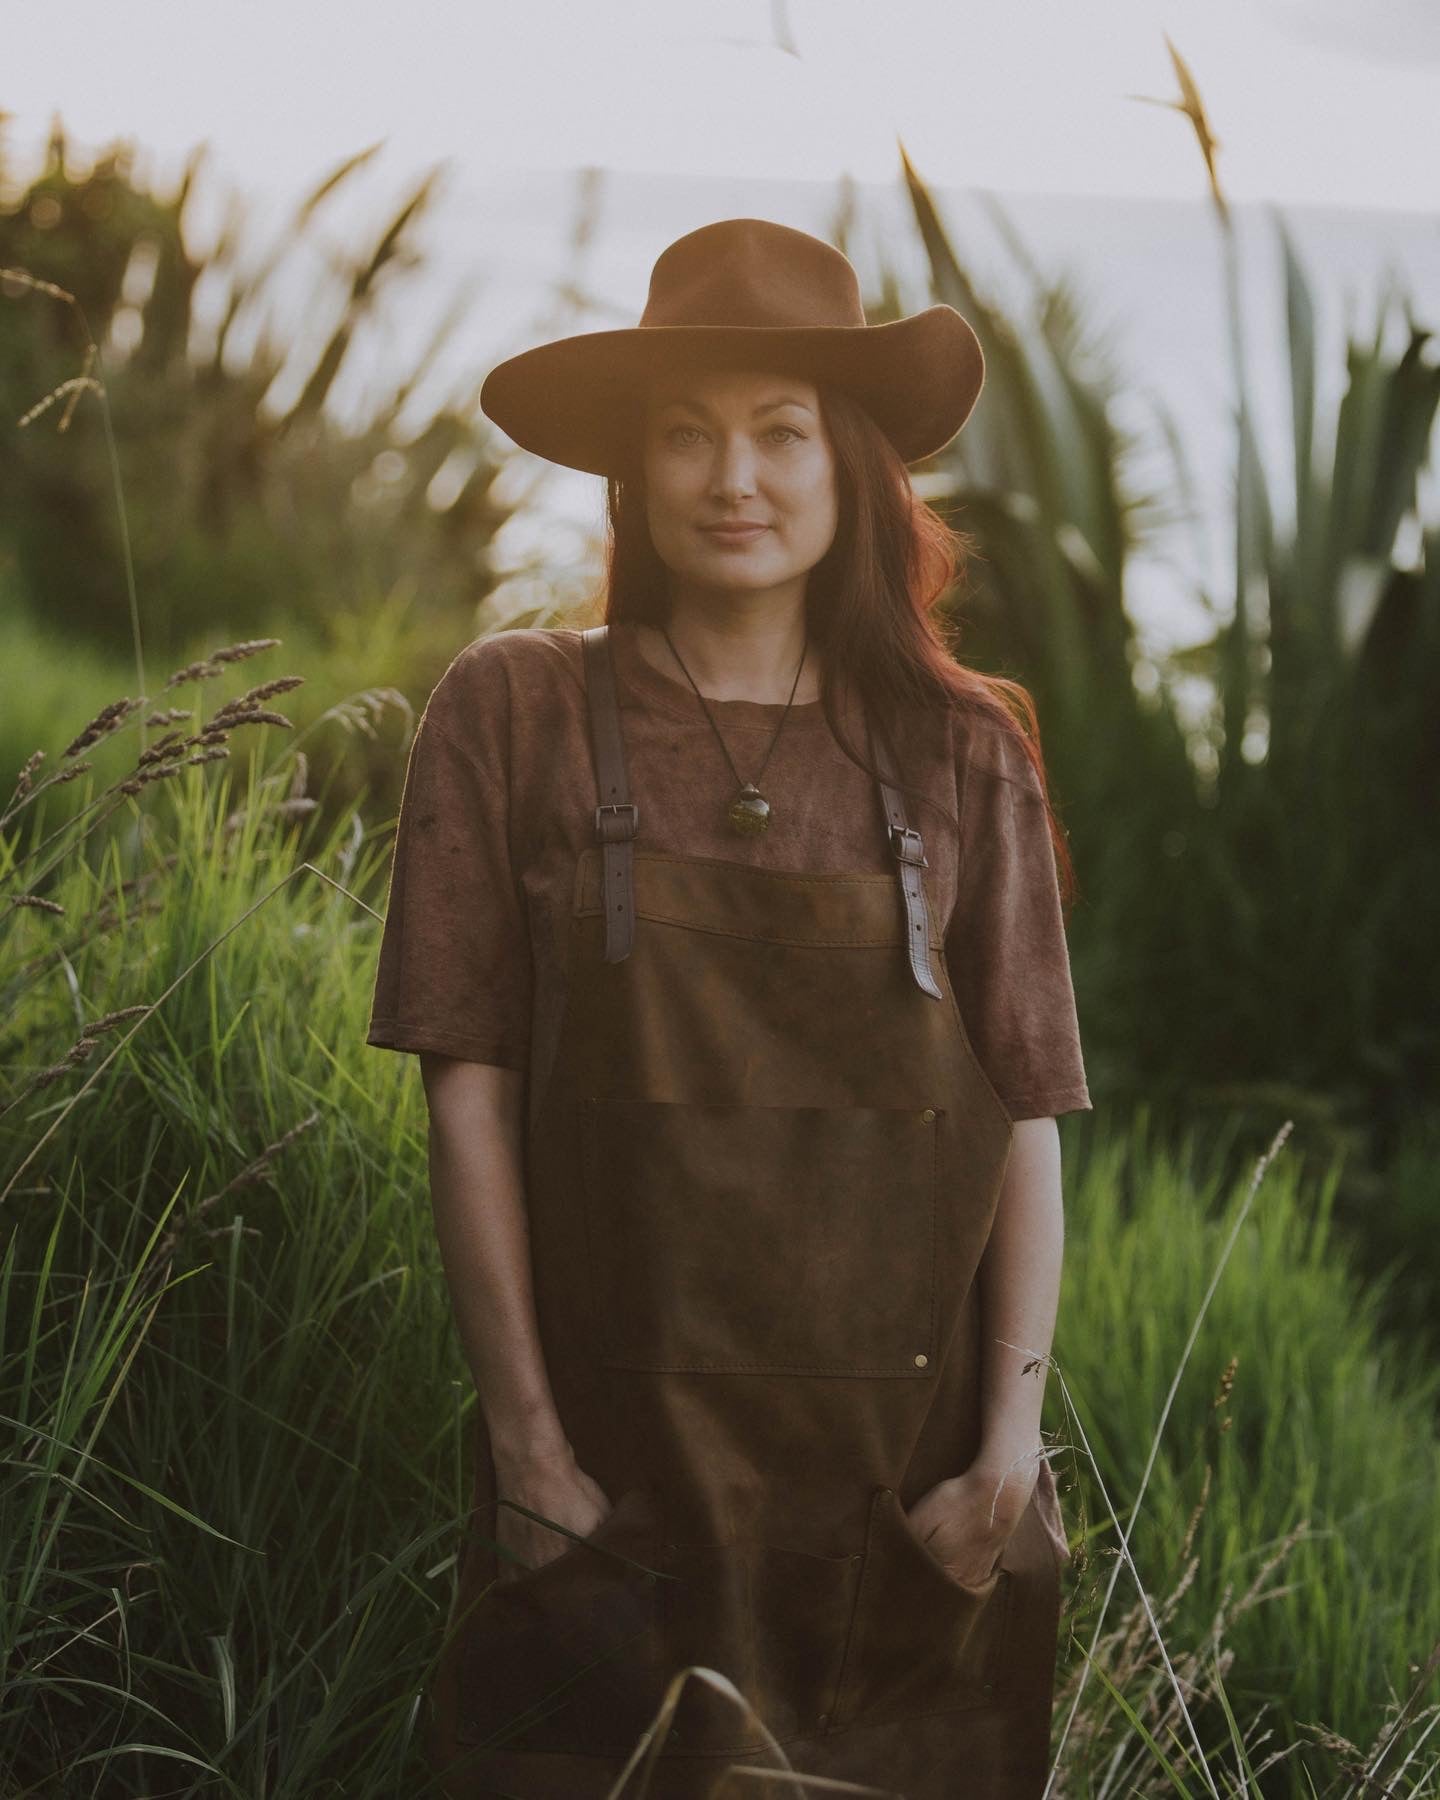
(966,1521)
(555,1486)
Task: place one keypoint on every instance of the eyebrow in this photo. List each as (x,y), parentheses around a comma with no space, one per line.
(699,406)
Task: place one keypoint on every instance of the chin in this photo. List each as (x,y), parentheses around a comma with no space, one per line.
(733,581)
(723,568)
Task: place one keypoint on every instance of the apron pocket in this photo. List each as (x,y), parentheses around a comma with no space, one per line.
(921,1641)
(566,1656)
(773,1621)
(802,1606)
(763,1239)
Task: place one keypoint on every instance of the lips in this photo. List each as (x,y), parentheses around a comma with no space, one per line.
(739,532)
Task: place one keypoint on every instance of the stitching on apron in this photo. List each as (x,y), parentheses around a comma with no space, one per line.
(841,1701)
(949,987)
(803,877)
(759,937)
(588,860)
(989,1086)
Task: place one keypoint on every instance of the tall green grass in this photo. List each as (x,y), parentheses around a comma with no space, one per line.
(221,1522)
(236,1410)
(1294,1497)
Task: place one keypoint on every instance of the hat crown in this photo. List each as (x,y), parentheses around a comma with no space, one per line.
(752,272)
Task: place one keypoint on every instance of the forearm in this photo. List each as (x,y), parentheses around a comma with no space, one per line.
(477,1196)
(1019,1279)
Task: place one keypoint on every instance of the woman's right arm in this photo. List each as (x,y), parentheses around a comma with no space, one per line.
(477,1196)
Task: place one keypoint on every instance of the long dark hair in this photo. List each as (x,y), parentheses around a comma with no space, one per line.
(870,601)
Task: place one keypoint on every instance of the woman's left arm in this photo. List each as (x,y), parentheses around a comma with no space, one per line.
(967,1519)
(1019,1277)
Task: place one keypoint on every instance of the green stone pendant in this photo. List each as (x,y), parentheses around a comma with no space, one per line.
(749,812)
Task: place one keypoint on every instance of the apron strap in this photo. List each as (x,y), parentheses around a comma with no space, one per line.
(908,848)
(617,819)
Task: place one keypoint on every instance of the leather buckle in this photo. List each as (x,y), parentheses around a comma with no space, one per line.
(614,831)
(908,845)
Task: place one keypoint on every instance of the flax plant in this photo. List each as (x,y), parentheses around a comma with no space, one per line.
(1262,867)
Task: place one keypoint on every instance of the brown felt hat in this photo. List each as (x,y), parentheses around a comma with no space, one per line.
(742,293)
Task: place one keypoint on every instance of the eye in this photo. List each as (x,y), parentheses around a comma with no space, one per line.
(672,433)
(798,436)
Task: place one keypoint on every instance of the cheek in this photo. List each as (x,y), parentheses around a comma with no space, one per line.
(670,490)
(661,504)
(813,505)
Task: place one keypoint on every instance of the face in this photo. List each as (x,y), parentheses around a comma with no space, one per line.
(738,447)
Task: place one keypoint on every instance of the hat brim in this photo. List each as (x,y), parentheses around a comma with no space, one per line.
(575,400)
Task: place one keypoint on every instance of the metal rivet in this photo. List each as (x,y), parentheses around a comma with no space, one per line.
(856,1557)
(822,1718)
(921,1360)
(928,1115)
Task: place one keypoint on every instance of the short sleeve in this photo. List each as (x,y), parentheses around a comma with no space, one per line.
(454,969)
(1005,945)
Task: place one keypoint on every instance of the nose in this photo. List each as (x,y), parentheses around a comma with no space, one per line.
(732,473)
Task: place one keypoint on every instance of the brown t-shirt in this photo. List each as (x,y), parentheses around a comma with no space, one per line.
(499,802)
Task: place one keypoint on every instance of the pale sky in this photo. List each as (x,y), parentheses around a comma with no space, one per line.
(1321,100)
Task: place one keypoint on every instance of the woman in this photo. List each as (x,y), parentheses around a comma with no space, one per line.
(736,1070)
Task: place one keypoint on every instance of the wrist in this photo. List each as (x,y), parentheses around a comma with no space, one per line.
(528,1438)
(1009,1456)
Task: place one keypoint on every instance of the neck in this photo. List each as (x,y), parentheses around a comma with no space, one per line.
(740,647)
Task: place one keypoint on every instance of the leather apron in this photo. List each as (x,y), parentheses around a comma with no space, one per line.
(759,1182)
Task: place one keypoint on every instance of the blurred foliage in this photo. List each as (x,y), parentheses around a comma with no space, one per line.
(243,515)
(1252,928)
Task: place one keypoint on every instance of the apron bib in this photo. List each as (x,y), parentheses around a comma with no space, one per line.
(759,1181)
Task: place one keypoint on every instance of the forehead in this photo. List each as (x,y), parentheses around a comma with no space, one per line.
(742,390)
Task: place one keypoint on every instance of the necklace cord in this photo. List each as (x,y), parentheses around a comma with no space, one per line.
(775,739)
